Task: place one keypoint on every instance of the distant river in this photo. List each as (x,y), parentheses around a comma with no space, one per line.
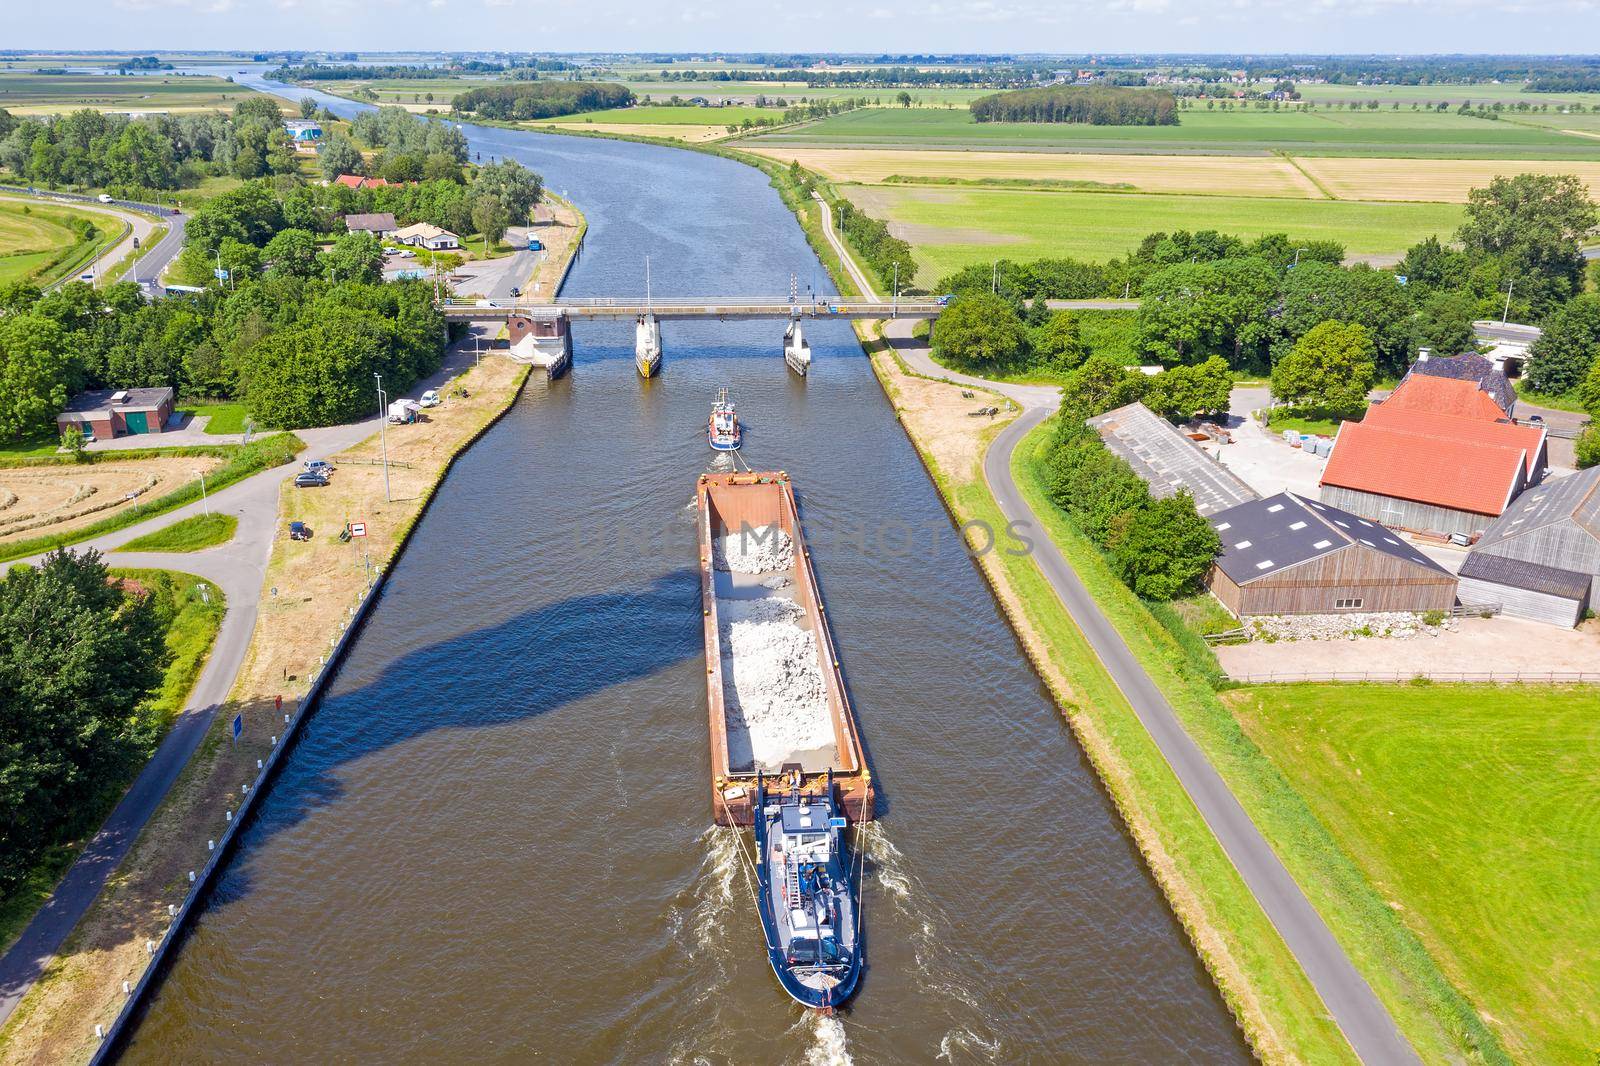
(493,842)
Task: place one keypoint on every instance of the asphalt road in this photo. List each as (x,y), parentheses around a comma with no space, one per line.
(238,568)
(152,259)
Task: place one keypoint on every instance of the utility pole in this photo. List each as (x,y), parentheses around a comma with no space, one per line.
(1504,315)
(994,279)
(383,422)
(894,311)
(204,501)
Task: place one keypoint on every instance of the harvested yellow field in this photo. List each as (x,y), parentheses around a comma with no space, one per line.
(671,131)
(1219,174)
(55,499)
(1439,180)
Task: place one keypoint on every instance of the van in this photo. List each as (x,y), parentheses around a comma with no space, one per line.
(104,198)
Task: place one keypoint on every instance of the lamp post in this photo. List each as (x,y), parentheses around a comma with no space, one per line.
(1506,314)
(204,500)
(383,422)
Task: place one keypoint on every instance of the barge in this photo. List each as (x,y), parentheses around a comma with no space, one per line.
(777,700)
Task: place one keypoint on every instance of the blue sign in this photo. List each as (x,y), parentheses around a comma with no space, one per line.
(238,726)
(220,274)
(1401,278)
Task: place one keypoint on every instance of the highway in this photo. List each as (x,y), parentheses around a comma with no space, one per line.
(1351,1003)
(153,258)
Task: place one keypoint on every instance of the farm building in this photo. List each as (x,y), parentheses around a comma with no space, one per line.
(379,225)
(1453,469)
(1541,559)
(356,181)
(424,235)
(106,413)
(1485,374)
(1168,460)
(1285,555)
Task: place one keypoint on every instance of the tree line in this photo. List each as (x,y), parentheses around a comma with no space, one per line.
(884,252)
(542,99)
(1096,105)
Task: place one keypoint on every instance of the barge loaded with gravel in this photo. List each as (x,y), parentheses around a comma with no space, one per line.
(777,699)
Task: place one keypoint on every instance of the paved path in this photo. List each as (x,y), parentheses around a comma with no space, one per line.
(1351,1003)
(238,568)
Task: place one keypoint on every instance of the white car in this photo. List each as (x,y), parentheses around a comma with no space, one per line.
(103,198)
(408,254)
(430,398)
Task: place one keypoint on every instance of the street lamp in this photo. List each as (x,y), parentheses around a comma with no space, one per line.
(204,501)
(383,422)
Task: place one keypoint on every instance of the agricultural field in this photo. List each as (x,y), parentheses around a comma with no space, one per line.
(950,228)
(1471,808)
(50,500)
(44,94)
(1395,134)
(682,123)
(38,243)
(1454,93)
(413,94)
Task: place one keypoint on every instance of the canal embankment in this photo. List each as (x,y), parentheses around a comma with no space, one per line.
(314,597)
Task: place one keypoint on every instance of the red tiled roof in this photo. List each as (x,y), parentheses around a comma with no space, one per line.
(1445,396)
(1455,472)
(1500,432)
(352,181)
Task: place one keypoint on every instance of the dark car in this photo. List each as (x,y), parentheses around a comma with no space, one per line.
(309,480)
(515,291)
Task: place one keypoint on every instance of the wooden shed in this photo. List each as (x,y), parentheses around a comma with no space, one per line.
(1285,555)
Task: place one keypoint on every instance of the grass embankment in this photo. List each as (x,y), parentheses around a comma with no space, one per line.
(192,620)
(187,535)
(1270,996)
(242,461)
(222,416)
(41,244)
(1471,807)
(1431,1013)
(318,583)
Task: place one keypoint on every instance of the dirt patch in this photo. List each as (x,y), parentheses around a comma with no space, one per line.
(922,233)
(881,201)
(310,589)
(939,419)
(670,131)
(41,500)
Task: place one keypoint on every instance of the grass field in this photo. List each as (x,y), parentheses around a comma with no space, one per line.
(187,535)
(1472,809)
(1446,92)
(224,417)
(951,228)
(37,243)
(42,94)
(1320,132)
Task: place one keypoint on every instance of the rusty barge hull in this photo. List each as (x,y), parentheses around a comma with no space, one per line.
(727,504)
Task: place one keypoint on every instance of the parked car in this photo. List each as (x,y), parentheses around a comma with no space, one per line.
(299,531)
(309,480)
(391,251)
(408,254)
(319,466)
(430,398)
(515,291)
(1537,420)
(87,275)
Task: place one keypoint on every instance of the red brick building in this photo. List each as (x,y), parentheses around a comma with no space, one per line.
(104,413)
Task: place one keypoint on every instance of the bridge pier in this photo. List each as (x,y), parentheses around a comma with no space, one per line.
(647,345)
(541,336)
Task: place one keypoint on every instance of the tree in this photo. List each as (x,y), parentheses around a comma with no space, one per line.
(35,370)
(1163,550)
(77,657)
(1100,385)
(255,108)
(903,98)
(319,373)
(1587,447)
(1444,323)
(337,154)
(514,185)
(1328,371)
(291,253)
(1589,392)
(308,107)
(1537,223)
(1184,392)
(354,257)
(1058,343)
(979,332)
(1560,359)
(1192,311)
(490,218)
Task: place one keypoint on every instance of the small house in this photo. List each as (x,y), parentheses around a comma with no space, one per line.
(106,413)
(1286,555)
(425,235)
(380,224)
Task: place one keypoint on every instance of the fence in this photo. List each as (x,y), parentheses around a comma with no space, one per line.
(1487,677)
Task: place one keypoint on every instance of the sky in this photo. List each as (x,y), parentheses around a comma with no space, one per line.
(1060,26)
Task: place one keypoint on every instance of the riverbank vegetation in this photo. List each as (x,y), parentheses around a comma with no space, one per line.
(541,99)
(1095,105)
(1471,805)
(97,663)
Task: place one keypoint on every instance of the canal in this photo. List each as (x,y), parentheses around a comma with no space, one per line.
(493,840)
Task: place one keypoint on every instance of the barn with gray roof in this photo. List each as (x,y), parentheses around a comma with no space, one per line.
(1169,461)
(1286,555)
(1553,532)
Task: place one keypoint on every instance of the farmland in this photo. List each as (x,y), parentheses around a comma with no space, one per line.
(1410,134)
(1471,809)
(951,228)
(42,94)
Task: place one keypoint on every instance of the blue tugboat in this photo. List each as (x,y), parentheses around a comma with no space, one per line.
(723,432)
(809,908)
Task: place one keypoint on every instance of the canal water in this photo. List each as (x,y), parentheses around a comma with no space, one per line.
(493,842)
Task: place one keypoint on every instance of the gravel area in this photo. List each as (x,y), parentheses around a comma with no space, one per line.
(1399,625)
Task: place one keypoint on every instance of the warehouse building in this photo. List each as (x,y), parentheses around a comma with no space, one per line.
(1541,559)
(1169,461)
(105,413)
(1285,555)
(1408,465)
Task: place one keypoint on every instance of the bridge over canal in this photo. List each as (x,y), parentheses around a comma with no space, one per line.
(716,307)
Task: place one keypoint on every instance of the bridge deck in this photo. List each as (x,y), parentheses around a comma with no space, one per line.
(684,309)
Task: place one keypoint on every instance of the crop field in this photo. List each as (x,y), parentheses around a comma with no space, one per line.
(1472,809)
(1323,132)
(662,115)
(36,242)
(1454,93)
(42,94)
(744,91)
(951,228)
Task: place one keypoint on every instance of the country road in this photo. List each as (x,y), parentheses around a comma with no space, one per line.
(1352,1004)
(152,259)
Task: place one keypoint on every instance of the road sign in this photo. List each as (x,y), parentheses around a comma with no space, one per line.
(221,274)
(238,727)
(358,529)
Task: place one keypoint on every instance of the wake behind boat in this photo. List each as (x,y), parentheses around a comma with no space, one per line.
(723,432)
(806,894)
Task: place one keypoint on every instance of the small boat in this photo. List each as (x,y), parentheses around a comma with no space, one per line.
(796,349)
(647,345)
(723,432)
(807,899)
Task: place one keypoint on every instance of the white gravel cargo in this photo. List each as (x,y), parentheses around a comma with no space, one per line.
(754,550)
(776,705)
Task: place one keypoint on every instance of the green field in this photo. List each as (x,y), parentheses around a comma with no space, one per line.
(187,535)
(1472,809)
(951,228)
(1443,92)
(224,417)
(38,94)
(1407,134)
(37,244)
